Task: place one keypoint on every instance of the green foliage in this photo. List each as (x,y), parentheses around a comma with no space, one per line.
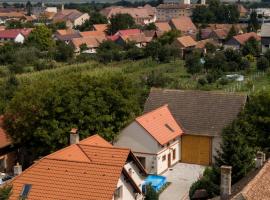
(109,51)
(169,37)
(210,48)
(120,22)
(64,52)
(41,37)
(231,33)
(253,23)
(95,18)
(262,63)
(5,192)
(206,182)
(193,63)
(216,12)
(40,115)
(252,47)
(150,26)
(151,194)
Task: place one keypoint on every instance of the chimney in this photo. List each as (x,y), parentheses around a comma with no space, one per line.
(259,159)
(225,183)
(74,136)
(17,169)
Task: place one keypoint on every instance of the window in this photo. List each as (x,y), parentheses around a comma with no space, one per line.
(174,154)
(142,160)
(164,158)
(25,191)
(130,171)
(118,193)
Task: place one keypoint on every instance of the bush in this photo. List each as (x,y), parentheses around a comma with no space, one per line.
(223,81)
(202,81)
(262,63)
(250,58)
(151,194)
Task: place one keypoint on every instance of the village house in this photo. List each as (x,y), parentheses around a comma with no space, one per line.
(202,116)
(15,35)
(168,11)
(89,169)
(100,27)
(154,138)
(186,44)
(185,25)
(163,26)
(71,17)
(7,151)
(141,15)
(202,45)
(219,35)
(236,42)
(265,37)
(91,44)
(66,35)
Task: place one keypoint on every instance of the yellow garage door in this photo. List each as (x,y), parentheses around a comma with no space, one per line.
(196,149)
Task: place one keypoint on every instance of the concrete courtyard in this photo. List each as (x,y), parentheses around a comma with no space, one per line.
(181,176)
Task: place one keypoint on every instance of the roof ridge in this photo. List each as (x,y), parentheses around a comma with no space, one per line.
(107,147)
(159,108)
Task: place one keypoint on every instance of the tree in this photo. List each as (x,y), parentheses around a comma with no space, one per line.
(152,49)
(29,8)
(95,18)
(64,52)
(150,26)
(253,23)
(5,192)
(262,63)
(120,22)
(169,37)
(109,51)
(41,37)
(151,194)
(252,47)
(231,33)
(193,63)
(40,115)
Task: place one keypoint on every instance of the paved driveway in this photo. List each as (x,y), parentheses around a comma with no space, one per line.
(181,177)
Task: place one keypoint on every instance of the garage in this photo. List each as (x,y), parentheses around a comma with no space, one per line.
(196,149)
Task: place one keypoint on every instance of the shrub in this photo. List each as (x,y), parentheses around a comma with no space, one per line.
(262,63)
(202,81)
(151,194)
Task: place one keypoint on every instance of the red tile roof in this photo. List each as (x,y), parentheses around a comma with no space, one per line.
(259,187)
(126,32)
(4,139)
(81,171)
(246,36)
(186,41)
(160,124)
(100,27)
(184,24)
(163,26)
(12,33)
(92,33)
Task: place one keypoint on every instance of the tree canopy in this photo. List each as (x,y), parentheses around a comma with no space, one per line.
(120,22)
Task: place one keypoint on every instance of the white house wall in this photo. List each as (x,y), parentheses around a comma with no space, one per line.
(150,162)
(137,139)
(127,191)
(80,20)
(162,166)
(19,38)
(135,173)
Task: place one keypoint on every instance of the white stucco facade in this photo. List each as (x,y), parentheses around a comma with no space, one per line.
(19,38)
(80,20)
(148,150)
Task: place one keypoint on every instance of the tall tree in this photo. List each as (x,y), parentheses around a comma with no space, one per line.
(120,22)
(41,37)
(253,23)
(29,8)
(231,33)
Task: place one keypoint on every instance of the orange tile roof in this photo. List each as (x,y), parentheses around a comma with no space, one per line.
(100,27)
(160,124)
(201,44)
(245,37)
(92,33)
(80,171)
(184,24)
(66,31)
(163,26)
(187,41)
(91,42)
(4,139)
(259,187)
(221,33)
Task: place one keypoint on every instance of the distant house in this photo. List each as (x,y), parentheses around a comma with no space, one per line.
(8,155)
(93,34)
(168,11)
(265,37)
(15,35)
(100,27)
(202,116)
(141,15)
(185,25)
(91,43)
(185,44)
(66,35)
(242,10)
(201,45)
(90,169)
(163,26)
(239,40)
(71,17)
(154,138)
(219,35)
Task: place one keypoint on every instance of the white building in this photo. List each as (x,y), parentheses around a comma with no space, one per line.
(155,139)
